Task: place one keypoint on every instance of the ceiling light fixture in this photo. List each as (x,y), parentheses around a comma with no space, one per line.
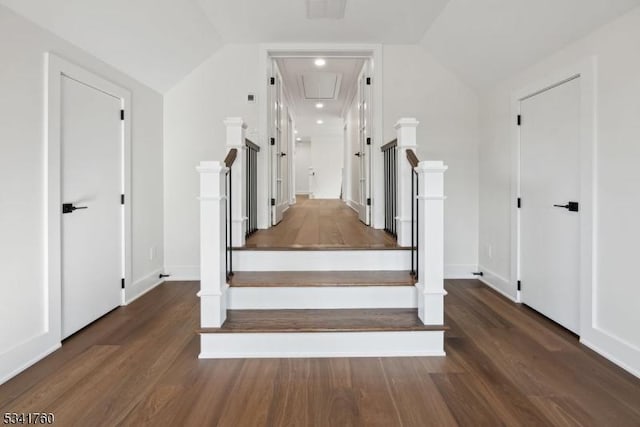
(295,131)
(298,139)
(319,122)
(319,105)
(320,62)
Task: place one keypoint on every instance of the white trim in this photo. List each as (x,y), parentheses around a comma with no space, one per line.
(497,283)
(280,50)
(587,71)
(182,273)
(322,297)
(55,68)
(460,271)
(321,344)
(12,361)
(142,286)
(622,353)
(322,260)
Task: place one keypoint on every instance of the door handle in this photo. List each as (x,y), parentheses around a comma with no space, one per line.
(358,154)
(69,208)
(570,206)
(282,154)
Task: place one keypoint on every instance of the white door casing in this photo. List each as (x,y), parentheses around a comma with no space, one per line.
(550,175)
(278,147)
(56,69)
(364,147)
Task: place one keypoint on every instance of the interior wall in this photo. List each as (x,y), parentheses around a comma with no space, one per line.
(352,146)
(23,291)
(416,85)
(613,332)
(302,163)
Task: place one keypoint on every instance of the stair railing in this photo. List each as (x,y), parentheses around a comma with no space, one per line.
(415,211)
(228,238)
(251,182)
(389,154)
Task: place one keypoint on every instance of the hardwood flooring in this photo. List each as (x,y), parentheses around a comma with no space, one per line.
(506,365)
(320,223)
(320,278)
(334,320)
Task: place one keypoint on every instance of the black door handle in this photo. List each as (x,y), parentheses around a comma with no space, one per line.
(358,154)
(69,208)
(283,154)
(570,206)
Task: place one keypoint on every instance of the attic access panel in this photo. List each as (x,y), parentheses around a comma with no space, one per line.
(320,85)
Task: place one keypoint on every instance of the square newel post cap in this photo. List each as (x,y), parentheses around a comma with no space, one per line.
(235,122)
(406,122)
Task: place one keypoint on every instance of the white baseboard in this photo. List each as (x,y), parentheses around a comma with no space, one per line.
(618,351)
(460,271)
(321,344)
(19,358)
(181,273)
(322,297)
(498,283)
(142,286)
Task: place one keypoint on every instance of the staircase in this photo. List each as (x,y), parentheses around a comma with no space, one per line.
(320,302)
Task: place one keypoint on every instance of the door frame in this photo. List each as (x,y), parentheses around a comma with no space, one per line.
(586,71)
(56,67)
(267,52)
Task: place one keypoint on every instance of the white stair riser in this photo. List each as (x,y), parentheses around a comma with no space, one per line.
(325,297)
(343,260)
(321,344)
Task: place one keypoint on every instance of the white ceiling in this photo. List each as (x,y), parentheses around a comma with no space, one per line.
(337,78)
(365,21)
(156,42)
(486,41)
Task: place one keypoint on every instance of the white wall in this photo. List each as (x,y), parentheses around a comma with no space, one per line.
(617,297)
(416,85)
(351,162)
(194,111)
(23,332)
(302,163)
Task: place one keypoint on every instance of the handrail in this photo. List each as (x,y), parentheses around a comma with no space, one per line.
(389,145)
(251,144)
(413,159)
(231,157)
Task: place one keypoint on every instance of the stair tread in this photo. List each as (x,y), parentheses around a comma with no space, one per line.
(321,247)
(323,320)
(320,278)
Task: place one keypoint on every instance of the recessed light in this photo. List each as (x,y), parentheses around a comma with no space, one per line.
(298,139)
(320,62)
(319,122)
(295,131)
(319,105)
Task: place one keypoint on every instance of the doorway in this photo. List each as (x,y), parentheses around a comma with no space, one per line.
(550,202)
(89,215)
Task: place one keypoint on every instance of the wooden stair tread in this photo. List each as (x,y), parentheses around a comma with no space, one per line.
(334,320)
(322,247)
(320,278)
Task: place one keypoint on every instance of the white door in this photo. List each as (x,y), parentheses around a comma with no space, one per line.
(278,141)
(364,145)
(91,147)
(549,182)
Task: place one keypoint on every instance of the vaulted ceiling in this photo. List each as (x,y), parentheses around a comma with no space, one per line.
(159,42)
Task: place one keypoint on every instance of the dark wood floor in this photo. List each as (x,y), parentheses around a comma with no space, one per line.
(320,223)
(506,365)
(320,278)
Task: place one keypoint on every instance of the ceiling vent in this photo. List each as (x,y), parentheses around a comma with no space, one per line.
(317,86)
(326,9)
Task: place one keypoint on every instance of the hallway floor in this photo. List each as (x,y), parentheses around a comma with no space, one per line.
(320,223)
(505,365)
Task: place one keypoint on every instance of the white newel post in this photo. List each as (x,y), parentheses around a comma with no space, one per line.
(213,283)
(406,131)
(430,284)
(236,139)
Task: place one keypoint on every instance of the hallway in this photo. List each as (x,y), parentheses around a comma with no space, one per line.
(321,223)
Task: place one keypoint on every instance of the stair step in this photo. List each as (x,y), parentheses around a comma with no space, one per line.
(320,278)
(349,320)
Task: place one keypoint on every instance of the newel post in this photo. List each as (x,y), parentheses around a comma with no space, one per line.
(236,128)
(430,284)
(213,283)
(406,135)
